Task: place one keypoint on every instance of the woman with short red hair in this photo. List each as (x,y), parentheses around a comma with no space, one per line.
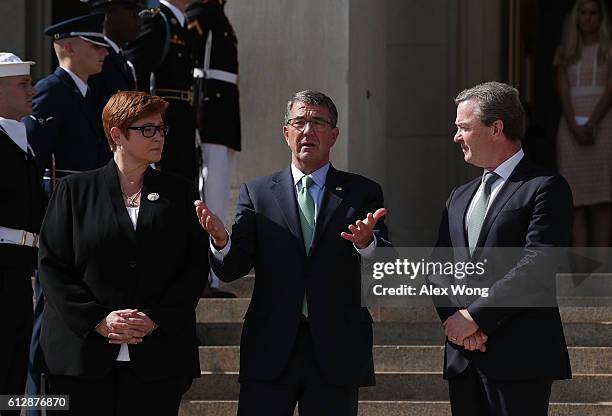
(121,268)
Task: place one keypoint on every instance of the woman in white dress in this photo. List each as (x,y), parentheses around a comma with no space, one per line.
(584,138)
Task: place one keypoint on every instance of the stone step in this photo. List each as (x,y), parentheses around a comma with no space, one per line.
(567,285)
(428,386)
(243,287)
(233,310)
(414,333)
(409,358)
(395,408)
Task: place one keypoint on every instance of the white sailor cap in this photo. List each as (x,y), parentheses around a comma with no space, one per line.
(11,65)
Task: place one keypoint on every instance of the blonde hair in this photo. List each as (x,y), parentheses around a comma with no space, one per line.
(570,50)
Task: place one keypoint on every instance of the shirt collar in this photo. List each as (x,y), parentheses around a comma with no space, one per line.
(16,130)
(81,85)
(318,176)
(112,44)
(507,167)
(178,13)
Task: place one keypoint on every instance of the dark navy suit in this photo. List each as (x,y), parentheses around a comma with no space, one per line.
(526,348)
(267,236)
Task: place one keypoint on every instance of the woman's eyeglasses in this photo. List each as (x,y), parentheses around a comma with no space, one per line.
(149,131)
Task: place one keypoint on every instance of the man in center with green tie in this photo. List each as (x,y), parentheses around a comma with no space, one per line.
(306,338)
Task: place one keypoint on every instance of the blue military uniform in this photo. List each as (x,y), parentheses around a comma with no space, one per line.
(64,123)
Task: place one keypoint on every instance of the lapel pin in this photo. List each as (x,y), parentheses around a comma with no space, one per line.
(41,120)
(338,188)
(154,196)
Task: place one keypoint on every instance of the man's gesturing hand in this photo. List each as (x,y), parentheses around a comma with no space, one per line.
(212,224)
(361,232)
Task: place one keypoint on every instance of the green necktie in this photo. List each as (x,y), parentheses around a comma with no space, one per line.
(477,216)
(307,217)
(307,211)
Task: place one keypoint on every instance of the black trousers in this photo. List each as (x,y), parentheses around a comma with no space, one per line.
(16,322)
(301,383)
(473,394)
(120,393)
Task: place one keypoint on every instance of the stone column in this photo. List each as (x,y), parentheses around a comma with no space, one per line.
(336,47)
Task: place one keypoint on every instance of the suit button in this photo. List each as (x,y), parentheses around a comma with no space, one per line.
(132,264)
(180,55)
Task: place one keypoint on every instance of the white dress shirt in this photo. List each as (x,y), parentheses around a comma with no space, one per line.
(124,352)
(504,171)
(16,130)
(81,85)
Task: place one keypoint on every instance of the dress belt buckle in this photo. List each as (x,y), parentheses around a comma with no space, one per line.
(24,239)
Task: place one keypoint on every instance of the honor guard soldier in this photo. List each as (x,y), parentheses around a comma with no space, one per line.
(21,213)
(218,115)
(63,127)
(122,24)
(164,67)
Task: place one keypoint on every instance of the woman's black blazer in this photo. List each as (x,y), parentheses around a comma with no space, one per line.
(91,262)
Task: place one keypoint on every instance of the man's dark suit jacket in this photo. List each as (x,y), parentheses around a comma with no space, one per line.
(91,262)
(267,236)
(532,209)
